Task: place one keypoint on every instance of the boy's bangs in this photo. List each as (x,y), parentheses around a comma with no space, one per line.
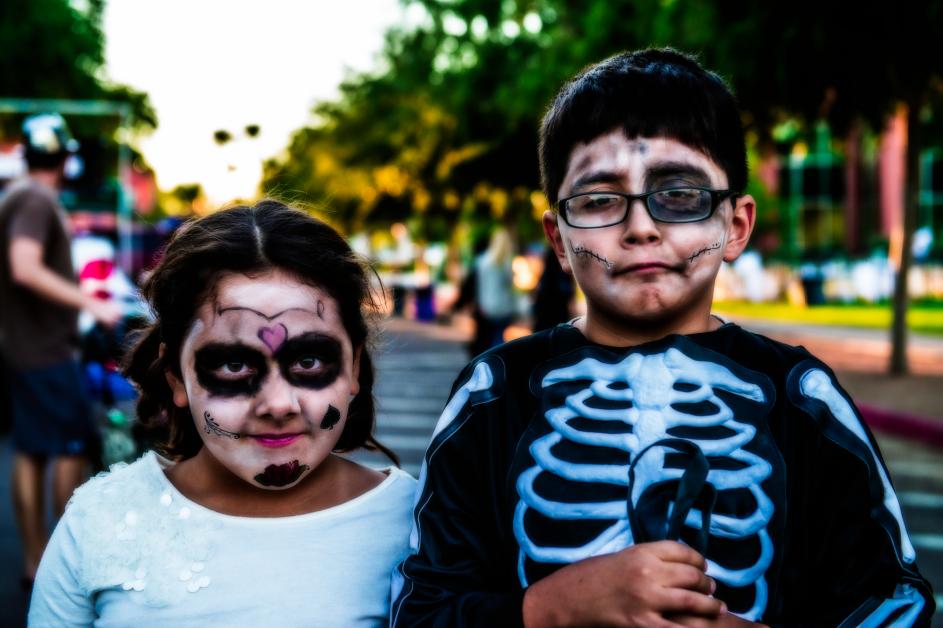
(650,106)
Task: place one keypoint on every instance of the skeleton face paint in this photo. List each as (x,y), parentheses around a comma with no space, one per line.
(642,273)
(707,250)
(268,372)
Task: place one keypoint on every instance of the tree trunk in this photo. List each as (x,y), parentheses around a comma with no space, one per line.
(898,363)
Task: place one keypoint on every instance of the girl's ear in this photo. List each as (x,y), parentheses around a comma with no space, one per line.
(181,400)
(740,227)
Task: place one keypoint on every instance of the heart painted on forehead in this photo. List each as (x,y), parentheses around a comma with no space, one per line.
(274,336)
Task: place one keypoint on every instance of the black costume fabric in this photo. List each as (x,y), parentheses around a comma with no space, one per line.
(552,449)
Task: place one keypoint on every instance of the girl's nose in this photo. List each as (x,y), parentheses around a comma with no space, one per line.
(276,398)
(640,227)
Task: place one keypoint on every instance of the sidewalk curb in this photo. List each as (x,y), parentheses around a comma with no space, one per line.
(912,426)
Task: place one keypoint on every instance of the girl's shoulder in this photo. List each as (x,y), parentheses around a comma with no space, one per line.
(394,493)
(110,489)
(132,530)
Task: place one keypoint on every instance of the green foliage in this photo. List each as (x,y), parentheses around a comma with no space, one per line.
(447,128)
(55,49)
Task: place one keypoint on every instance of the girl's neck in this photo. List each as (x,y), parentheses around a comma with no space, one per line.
(203,480)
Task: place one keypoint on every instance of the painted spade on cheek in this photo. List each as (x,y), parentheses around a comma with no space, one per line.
(331,417)
(281,474)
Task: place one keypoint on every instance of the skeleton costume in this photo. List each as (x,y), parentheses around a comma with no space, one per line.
(552,449)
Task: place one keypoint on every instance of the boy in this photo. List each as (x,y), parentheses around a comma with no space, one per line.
(648,464)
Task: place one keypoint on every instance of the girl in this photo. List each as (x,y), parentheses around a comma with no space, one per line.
(254,373)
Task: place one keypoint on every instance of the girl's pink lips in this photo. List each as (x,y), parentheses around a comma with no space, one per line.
(275,440)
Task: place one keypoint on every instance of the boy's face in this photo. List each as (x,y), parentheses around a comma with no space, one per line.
(641,273)
(268,372)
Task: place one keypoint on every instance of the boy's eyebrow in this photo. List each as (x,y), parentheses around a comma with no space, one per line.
(675,168)
(599,176)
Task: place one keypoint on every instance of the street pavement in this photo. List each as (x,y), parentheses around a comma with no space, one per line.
(417,363)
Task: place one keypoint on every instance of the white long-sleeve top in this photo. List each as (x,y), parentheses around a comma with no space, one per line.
(131,550)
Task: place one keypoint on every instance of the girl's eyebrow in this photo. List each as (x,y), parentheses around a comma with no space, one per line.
(220,349)
(675,168)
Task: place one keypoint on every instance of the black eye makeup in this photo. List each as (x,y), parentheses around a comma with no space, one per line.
(230,370)
(671,175)
(311,360)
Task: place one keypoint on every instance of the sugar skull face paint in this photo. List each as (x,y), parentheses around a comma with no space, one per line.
(267,371)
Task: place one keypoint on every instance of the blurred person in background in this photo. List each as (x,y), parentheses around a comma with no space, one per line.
(39,336)
(494,291)
(553,294)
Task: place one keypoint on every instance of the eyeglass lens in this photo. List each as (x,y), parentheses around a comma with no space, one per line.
(676,205)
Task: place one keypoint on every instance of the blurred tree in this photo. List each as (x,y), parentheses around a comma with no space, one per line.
(55,49)
(222,136)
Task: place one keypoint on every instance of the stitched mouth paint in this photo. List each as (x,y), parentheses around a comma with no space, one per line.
(580,251)
(210,426)
(281,474)
(331,417)
(707,250)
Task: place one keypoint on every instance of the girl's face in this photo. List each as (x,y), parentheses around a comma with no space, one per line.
(268,372)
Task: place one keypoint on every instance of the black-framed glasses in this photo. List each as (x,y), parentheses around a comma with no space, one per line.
(592,210)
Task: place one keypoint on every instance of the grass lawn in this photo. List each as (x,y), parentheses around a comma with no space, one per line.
(927,319)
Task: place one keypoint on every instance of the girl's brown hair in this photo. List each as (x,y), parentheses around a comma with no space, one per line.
(246,240)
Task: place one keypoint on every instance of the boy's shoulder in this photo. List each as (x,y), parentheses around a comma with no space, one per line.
(755,351)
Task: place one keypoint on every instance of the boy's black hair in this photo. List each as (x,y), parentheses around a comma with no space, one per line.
(648,93)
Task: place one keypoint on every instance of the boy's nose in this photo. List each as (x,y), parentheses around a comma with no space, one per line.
(276,398)
(640,227)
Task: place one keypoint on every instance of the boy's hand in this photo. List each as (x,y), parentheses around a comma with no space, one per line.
(634,587)
(724,620)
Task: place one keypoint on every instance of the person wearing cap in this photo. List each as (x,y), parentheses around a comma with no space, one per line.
(39,305)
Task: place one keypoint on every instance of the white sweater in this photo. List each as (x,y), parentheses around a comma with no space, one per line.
(131,550)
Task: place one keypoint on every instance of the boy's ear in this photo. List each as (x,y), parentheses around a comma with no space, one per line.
(552,231)
(740,227)
(179,391)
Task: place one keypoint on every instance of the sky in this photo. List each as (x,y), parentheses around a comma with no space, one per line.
(225,64)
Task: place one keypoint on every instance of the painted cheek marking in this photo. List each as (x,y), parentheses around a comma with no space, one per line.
(581,251)
(281,474)
(331,417)
(273,337)
(212,427)
(707,250)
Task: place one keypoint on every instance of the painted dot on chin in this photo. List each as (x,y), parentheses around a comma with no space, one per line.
(281,474)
